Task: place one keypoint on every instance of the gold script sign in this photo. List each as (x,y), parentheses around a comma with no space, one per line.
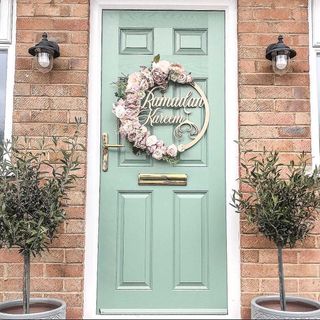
(151,114)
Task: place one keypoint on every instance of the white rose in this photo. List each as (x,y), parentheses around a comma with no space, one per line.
(151,140)
(163,65)
(172,150)
(157,154)
(120,111)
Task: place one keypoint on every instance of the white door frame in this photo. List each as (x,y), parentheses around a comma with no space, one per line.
(93,167)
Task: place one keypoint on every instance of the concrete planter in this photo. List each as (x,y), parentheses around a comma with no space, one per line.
(298,308)
(40,308)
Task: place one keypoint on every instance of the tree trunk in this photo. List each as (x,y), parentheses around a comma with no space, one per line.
(281,280)
(26,282)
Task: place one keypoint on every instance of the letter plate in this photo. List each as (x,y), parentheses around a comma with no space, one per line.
(162,179)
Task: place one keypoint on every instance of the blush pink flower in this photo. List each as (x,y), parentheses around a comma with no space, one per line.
(159,77)
(172,150)
(162,65)
(158,153)
(152,140)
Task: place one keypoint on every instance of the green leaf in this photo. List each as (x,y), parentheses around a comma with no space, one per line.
(156,59)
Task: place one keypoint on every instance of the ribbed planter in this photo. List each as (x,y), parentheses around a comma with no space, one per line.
(264,307)
(40,308)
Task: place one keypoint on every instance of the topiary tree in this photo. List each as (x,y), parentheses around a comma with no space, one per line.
(282,203)
(32,196)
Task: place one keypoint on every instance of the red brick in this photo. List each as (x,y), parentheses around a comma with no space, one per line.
(270,256)
(73,285)
(80,10)
(272,14)
(272,285)
(21,116)
(309,256)
(53,256)
(293,78)
(10,285)
(31,103)
(71,299)
(15,270)
(292,105)
(52,11)
(71,25)
(74,313)
(69,103)
(302,118)
(250,285)
(266,118)
(10,256)
(256,79)
(49,116)
(25,9)
(69,241)
(309,285)
(253,105)
(302,270)
(75,226)
(74,255)
(1,271)
(294,132)
(22,89)
(74,212)
(63,270)
(259,270)
(245,313)
(46,285)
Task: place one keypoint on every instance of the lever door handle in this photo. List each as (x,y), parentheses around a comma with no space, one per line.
(105,153)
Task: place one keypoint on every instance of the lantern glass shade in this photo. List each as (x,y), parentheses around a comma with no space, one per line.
(280,63)
(44,52)
(44,61)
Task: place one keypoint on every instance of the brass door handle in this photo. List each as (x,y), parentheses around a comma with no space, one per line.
(105,153)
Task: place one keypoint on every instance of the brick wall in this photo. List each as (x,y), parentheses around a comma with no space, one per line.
(47,104)
(275,113)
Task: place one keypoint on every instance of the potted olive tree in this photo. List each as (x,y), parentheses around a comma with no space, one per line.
(282,205)
(33,193)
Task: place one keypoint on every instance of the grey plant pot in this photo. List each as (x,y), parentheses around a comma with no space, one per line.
(259,312)
(59,311)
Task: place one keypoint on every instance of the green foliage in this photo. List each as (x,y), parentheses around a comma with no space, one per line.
(33,191)
(283,200)
(156,58)
(121,85)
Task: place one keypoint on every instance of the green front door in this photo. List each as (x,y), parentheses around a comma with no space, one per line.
(162,249)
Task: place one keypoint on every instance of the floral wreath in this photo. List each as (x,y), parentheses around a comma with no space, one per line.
(131,90)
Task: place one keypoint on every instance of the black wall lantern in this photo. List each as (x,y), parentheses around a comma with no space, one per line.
(280,55)
(44,52)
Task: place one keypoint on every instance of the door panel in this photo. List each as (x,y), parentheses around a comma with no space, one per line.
(162,249)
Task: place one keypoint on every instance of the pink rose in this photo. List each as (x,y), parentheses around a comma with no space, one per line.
(152,140)
(159,77)
(132,98)
(157,154)
(146,73)
(151,149)
(133,81)
(172,151)
(144,85)
(189,78)
(162,65)
(132,136)
(182,78)
(160,143)
(119,110)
